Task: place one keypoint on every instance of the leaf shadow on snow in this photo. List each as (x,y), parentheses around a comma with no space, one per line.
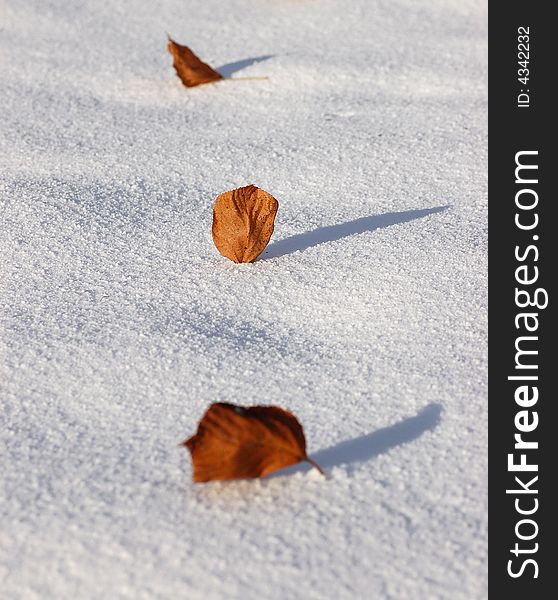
(332,233)
(366,447)
(228,69)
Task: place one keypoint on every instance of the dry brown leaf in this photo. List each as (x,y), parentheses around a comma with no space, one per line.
(191,70)
(237,442)
(243,222)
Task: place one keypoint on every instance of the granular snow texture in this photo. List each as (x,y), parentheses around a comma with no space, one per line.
(365,316)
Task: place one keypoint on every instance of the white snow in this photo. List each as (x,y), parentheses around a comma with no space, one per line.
(120,322)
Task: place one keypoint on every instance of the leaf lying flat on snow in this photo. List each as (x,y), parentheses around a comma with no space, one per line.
(191,70)
(243,221)
(236,442)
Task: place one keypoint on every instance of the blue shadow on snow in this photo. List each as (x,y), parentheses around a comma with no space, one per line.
(378,442)
(332,233)
(366,447)
(228,69)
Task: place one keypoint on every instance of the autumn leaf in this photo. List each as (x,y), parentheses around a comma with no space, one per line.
(191,70)
(237,442)
(243,222)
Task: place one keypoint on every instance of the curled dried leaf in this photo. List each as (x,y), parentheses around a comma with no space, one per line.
(243,221)
(236,442)
(191,70)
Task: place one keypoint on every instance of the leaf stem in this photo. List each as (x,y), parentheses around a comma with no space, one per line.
(315,465)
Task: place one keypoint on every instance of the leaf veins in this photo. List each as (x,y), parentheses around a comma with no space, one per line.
(236,442)
(191,70)
(243,221)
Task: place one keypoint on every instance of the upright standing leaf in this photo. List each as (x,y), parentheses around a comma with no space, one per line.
(191,70)
(236,442)
(243,222)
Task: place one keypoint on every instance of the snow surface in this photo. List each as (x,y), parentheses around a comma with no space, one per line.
(366,316)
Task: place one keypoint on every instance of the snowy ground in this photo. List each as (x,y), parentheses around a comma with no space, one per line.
(120,322)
